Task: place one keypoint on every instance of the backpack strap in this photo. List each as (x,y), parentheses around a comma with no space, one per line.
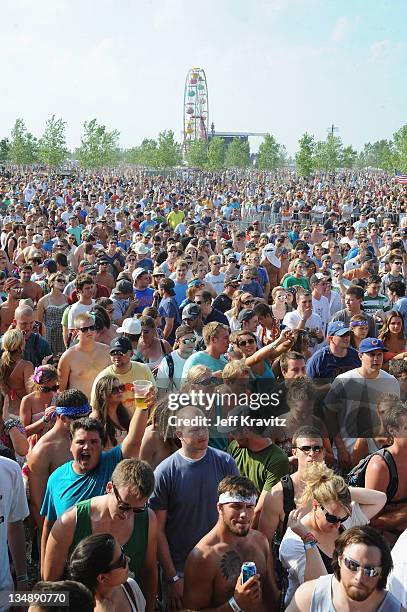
(288,499)
(394,477)
(170,362)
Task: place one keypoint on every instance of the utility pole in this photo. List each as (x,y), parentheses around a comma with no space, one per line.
(332,129)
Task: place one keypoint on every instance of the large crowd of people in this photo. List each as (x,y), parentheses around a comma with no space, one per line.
(201,375)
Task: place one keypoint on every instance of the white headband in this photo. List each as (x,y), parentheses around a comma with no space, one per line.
(231,498)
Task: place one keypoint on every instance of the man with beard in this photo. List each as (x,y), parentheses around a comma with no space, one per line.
(212,574)
(361,563)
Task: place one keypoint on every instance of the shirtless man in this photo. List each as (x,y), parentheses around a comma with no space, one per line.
(14,290)
(307,448)
(51,451)
(212,573)
(31,290)
(80,364)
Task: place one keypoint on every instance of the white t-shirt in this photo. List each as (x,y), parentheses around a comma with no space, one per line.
(75,310)
(397,581)
(162,379)
(292,319)
(321,308)
(292,553)
(217,282)
(13,507)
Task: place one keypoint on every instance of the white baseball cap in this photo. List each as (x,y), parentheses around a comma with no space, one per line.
(130,326)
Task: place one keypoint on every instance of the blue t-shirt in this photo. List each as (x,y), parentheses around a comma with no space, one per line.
(66,488)
(180,292)
(144,297)
(188,491)
(254,288)
(168,309)
(323,364)
(203,358)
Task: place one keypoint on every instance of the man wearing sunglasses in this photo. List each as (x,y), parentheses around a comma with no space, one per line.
(123,513)
(361,564)
(169,374)
(80,364)
(125,370)
(209,314)
(91,469)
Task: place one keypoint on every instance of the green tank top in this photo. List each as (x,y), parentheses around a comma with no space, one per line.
(135,548)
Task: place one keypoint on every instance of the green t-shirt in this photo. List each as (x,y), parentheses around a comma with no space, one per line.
(291,281)
(264,468)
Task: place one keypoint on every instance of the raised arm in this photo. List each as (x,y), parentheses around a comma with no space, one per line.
(132,442)
(371,502)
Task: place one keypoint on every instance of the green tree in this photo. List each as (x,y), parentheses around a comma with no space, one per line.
(4,150)
(216,153)
(348,157)
(98,146)
(148,153)
(400,149)
(238,154)
(270,154)
(52,144)
(328,153)
(304,158)
(168,151)
(23,145)
(197,154)
(380,154)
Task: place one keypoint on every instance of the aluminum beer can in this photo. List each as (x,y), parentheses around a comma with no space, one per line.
(248,570)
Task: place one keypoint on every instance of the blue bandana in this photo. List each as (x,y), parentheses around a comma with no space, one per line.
(74,411)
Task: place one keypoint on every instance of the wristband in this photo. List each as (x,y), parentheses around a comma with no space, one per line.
(10,423)
(234,605)
(308,537)
(174,579)
(310,544)
(22,578)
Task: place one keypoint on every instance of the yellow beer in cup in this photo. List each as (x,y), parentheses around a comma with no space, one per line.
(141,389)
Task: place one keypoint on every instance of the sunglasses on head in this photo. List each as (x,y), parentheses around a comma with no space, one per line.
(370,571)
(123,507)
(116,389)
(49,389)
(121,562)
(332,519)
(87,328)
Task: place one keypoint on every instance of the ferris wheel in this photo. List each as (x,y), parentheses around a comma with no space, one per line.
(196,107)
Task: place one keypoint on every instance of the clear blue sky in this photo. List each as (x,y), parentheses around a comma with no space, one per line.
(278,66)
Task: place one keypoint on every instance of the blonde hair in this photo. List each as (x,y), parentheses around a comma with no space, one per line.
(235,368)
(13,344)
(198,373)
(324,486)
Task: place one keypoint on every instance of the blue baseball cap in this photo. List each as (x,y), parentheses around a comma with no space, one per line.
(337,328)
(371,344)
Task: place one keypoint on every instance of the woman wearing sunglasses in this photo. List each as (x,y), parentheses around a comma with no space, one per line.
(308,544)
(241,300)
(108,408)
(36,411)
(99,563)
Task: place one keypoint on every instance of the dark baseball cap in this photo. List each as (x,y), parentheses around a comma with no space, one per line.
(168,285)
(123,286)
(191,311)
(121,343)
(245,315)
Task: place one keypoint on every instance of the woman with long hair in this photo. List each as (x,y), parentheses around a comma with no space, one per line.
(308,544)
(108,408)
(151,348)
(15,372)
(36,412)
(99,563)
(280,305)
(241,300)
(392,336)
(50,310)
